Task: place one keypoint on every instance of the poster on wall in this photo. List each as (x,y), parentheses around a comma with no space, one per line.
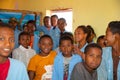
(5,15)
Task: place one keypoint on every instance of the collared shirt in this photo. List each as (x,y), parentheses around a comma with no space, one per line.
(58,67)
(106,67)
(23,54)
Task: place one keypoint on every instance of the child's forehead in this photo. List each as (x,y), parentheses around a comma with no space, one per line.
(92,49)
(3,29)
(45,38)
(6,31)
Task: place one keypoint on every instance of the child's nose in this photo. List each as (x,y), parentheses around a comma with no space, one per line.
(7,43)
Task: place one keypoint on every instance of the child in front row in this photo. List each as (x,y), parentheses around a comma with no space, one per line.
(40,65)
(24,52)
(10,69)
(87,70)
(65,59)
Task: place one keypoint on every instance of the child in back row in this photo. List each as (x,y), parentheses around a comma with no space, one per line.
(65,59)
(10,69)
(40,65)
(87,70)
(24,52)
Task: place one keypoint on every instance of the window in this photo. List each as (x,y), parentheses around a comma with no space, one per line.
(63,13)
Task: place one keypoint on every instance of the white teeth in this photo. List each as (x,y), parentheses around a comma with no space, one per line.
(6,49)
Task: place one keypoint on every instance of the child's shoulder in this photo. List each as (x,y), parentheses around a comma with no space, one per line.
(53,52)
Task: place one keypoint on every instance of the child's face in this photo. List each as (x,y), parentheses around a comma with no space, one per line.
(79,35)
(110,37)
(47,22)
(6,41)
(25,29)
(66,48)
(93,58)
(31,27)
(13,24)
(101,42)
(25,41)
(45,46)
(54,21)
(61,24)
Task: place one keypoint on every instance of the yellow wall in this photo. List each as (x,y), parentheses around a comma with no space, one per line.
(97,13)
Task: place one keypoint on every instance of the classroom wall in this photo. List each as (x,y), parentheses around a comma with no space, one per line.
(97,13)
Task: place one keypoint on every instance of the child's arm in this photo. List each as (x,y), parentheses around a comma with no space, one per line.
(77,50)
(31,75)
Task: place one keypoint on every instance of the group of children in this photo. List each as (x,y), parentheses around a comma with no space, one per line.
(42,66)
(75,59)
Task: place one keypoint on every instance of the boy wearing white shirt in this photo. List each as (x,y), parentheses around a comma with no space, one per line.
(24,52)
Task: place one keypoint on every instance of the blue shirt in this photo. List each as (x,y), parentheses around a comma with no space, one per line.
(107,64)
(55,34)
(17,71)
(58,67)
(44,30)
(36,41)
(16,35)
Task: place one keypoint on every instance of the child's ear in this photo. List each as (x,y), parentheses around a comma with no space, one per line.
(117,36)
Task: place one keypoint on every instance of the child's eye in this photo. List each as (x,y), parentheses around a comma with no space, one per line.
(1,39)
(91,55)
(12,40)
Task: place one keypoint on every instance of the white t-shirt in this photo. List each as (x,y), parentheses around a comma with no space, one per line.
(23,54)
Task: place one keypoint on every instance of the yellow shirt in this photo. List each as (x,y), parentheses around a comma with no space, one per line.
(38,63)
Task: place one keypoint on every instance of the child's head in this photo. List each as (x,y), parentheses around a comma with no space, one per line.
(81,33)
(66,46)
(54,19)
(6,40)
(13,22)
(25,28)
(91,34)
(93,56)
(31,26)
(113,33)
(24,39)
(67,34)
(45,44)
(61,24)
(101,41)
(47,21)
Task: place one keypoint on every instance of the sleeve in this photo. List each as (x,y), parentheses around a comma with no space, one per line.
(75,75)
(102,69)
(55,69)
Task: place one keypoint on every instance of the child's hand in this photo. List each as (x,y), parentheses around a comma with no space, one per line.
(77,51)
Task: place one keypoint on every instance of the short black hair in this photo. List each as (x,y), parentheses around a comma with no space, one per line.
(92,45)
(45,36)
(114,27)
(66,37)
(67,34)
(46,17)
(63,19)
(23,33)
(54,16)
(5,25)
(100,37)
